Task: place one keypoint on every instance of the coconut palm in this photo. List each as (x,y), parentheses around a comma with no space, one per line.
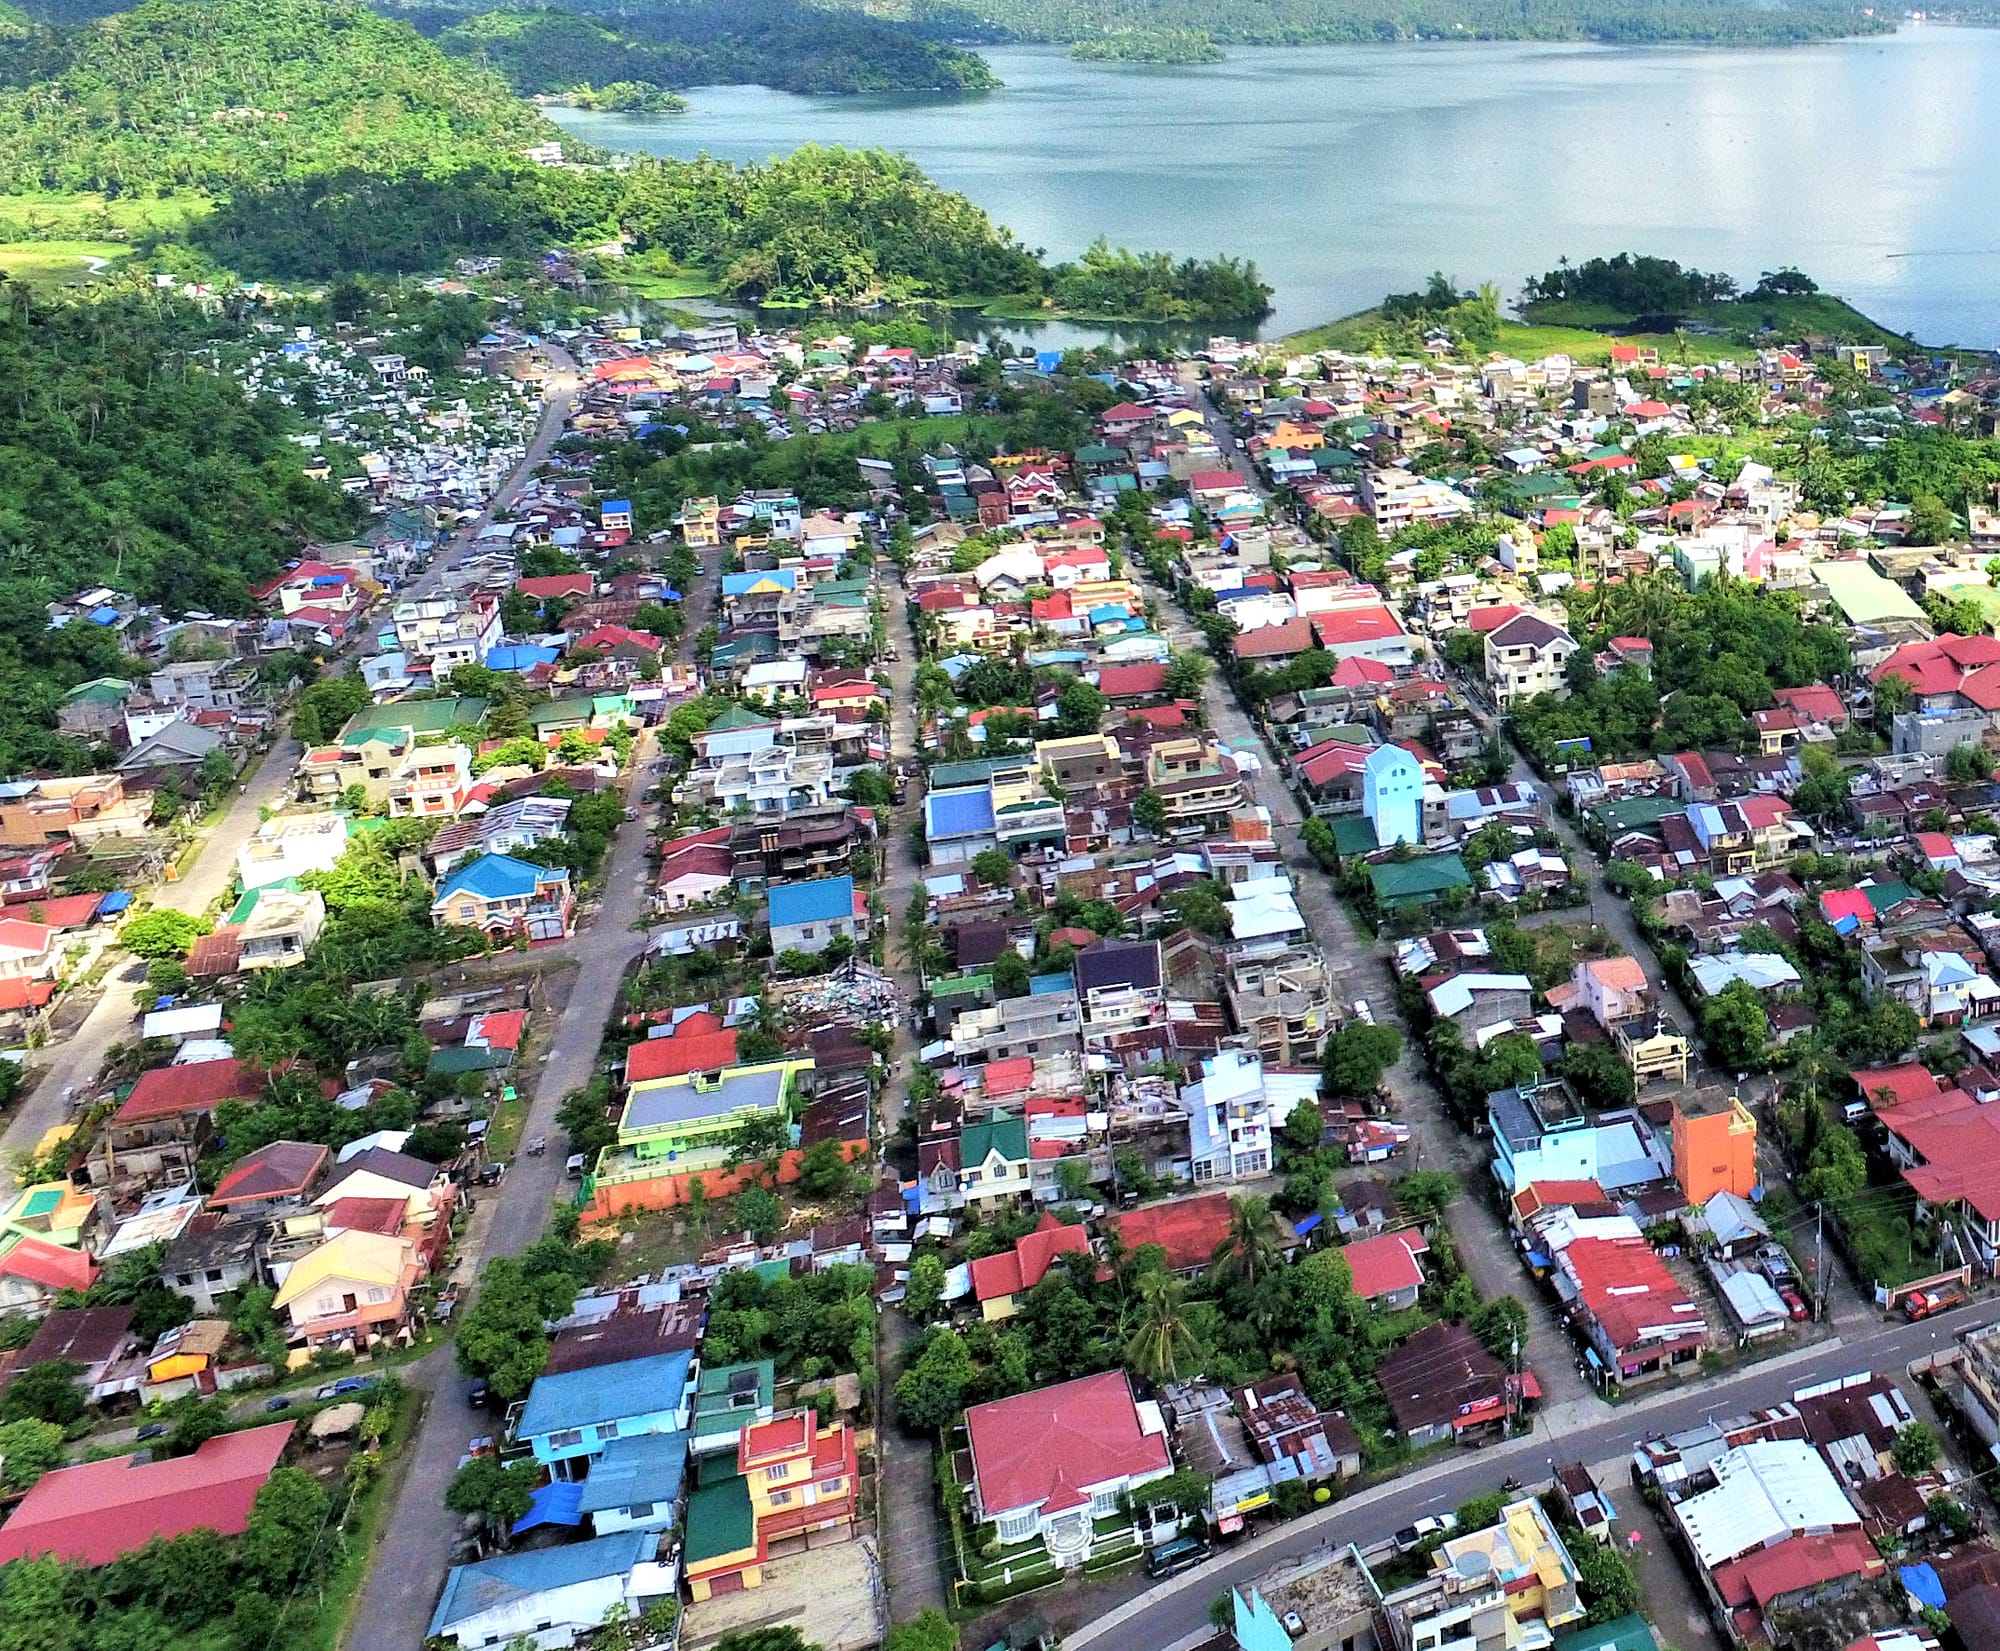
(1250,1252)
(1162,1343)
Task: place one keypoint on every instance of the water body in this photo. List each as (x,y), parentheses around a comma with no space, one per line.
(1351,171)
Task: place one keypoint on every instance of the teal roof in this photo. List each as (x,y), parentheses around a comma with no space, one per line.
(513,1579)
(1405,882)
(627,1391)
(719,1521)
(499,877)
(998,1133)
(423,716)
(1623,1634)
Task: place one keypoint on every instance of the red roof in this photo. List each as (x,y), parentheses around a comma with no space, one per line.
(91,1514)
(1836,904)
(18,992)
(385,1216)
(1215,481)
(617,636)
(1329,759)
(554,584)
(501,1029)
(1008,1077)
(1126,412)
(1356,672)
(1188,1229)
(1349,626)
(69,911)
(1386,1263)
(677,1056)
(1482,620)
(1798,1562)
(1294,636)
(52,1266)
(169,1091)
(1815,703)
(1629,1291)
(1021,1268)
(1051,1448)
(1545,1195)
(1120,680)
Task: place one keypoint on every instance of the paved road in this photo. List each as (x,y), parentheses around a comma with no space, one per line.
(1166,1615)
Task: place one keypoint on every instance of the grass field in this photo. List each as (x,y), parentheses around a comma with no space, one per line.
(56,263)
(93,215)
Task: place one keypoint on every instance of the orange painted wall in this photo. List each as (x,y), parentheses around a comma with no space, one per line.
(665,1192)
(1715,1153)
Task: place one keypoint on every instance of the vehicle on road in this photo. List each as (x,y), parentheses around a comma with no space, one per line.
(1921,1304)
(574,1167)
(1414,1536)
(477,1394)
(152,1430)
(1362,1012)
(345,1386)
(1795,1304)
(1171,1558)
(281,1402)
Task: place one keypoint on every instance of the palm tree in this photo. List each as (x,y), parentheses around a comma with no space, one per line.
(1250,1252)
(1161,1341)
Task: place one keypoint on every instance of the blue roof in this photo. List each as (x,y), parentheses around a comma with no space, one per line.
(521,656)
(958,813)
(741,584)
(1043,985)
(669,594)
(1923,1586)
(632,1471)
(608,1393)
(498,877)
(103,616)
(556,1503)
(1108,614)
(618,505)
(471,1590)
(117,900)
(1047,361)
(820,901)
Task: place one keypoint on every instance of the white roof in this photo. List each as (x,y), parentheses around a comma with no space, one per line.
(1272,909)
(1753,1300)
(181,1023)
(1455,995)
(1763,970)
(1765,1491)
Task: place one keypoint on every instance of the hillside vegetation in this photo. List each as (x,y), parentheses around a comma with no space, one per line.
(214,93)
(778,43)
(1303,22)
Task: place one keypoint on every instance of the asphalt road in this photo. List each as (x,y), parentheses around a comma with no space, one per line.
(1175,1610)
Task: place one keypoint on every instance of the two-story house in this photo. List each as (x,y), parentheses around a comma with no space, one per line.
(1121,992)
(1528,656)
(808,917)
(506,898)
(352,1289)
(570,1417)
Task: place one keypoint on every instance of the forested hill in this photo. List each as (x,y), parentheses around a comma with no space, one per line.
(210,94)
(1302,22)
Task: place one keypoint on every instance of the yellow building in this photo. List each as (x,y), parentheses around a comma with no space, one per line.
(792,1478)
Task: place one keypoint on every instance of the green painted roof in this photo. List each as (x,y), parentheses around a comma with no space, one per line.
(1884,895)
(960,985)
(562,710)
(976,771)
(738,716)
(719,1521)
(1099,454)
(42,1201)
(453,1061)
(1354,834)
(102,690)
(424,716)
(1636,813)
(1623,1634)
(1400,881)
(999,1133)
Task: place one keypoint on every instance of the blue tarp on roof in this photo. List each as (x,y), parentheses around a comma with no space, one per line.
(821,901)
(116,901)
(669,594)
(1047,361)
(524,656)
(957,813)
(1923,1586)
(1310,1224)
(617,506)
(558,1503)
(103,616)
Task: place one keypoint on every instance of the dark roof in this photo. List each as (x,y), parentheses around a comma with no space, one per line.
(284,1169)
(83,1335)
(391,1166)
(1442,1367)
(1133,963)
(640,1333)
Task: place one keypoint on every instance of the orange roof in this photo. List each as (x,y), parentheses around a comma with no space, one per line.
(1623,974)
(677,1056)
(1023,1267)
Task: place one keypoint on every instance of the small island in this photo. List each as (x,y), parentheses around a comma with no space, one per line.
(1148,46)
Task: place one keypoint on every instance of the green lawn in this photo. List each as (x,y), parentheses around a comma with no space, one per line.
(665,289)
(43,215)
(56,263)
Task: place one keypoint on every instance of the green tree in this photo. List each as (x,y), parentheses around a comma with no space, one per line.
(1599,1075)
(1916,1449)
(1149,812)
(287,1520)
(932,1390)
(1358,1055)
(1500,1324)
(45,1392)
(28,1449)
(1162,1344)
(824,1171)
(1427,1193)
(1249,1253)
(1011,975)
(925,1287)
(1302,1127)
(498,1494)
(929,1630)
(758,1209)
(994,867)
(1079,708)
(1735,1027)
(163,933)
(765,1639)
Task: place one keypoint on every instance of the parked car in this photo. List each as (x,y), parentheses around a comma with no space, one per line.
(1171,1558)
(1775,1262)
(478,1394)
(1921,1304)
(1437,1524)
(1795,1304)
(281,1402)
(152,1430)
(1362,1012)
(345,1386)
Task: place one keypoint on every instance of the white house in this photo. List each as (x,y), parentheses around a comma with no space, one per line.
(551,1595)
(1528,656)
(1234,1110)
(1392,795)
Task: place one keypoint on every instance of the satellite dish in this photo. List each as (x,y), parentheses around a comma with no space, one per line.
(1472,1564)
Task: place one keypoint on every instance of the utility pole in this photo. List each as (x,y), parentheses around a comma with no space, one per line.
(1819,1261)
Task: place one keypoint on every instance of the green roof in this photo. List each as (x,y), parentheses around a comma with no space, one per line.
(1354,834)
(1100,453)
(1336,458)
(1412,882)
(1624,1634)
(1884,895)
(999,1133)
(719,1521)
(101,690)
(738,716)
(1349,733)
(453,1061)
(562,710)
(42,1201)
(246,902)
(1635,814)
(975,771)
(422,716)
(960,985)
(713,1411)
(1540,485)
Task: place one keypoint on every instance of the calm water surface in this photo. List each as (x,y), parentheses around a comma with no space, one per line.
(1350,171)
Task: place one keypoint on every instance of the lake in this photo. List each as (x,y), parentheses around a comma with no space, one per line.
(1349,171)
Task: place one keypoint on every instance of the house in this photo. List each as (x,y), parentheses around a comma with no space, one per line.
(211,1258)
(570,1417)
(1234,1110)
(792,1477)
(1392,795)
(999,1281)
(1121,994)
(270,1180)
(635,1484)
(675,1128)
(164,1122)
(807,917)
(352,1289)
(290,845)
(91,1338)
(506,898)
(276,928)
(1405,885)
(1047,1466)
(35,1272)
(1613,989)
(1286,1427)
(1637,1318)
(1442,1383)
(728,1399)
(1528,656)
(1386,1271)
(550,1596)
(1715,1147)
(1506,1585)
(1187,1230)
(96,1512)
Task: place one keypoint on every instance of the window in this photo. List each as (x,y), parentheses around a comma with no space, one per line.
(1016,1527)
(832,1487)
(1103,1502)
(776,1471)
(565,1437)
(779,1498)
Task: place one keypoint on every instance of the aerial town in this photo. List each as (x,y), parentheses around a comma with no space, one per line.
(826,993)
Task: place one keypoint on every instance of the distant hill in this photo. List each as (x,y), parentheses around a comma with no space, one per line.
(212,94)
(1302,22)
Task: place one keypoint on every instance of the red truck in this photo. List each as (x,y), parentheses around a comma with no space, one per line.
(1920,1304)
